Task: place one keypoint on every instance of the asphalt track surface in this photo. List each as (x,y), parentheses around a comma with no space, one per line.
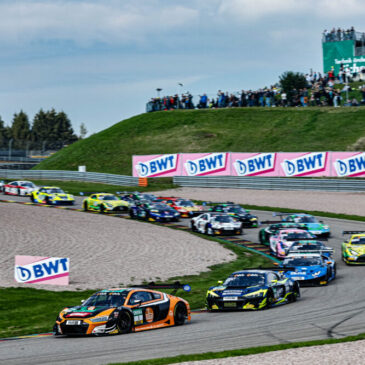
(333,311)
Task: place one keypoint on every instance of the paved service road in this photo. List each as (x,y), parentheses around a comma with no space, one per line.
(336,310)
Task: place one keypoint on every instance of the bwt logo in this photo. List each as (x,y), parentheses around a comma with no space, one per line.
(158,166)
(255,165)
(307,164)
(41,270)
(213,162)
(350,166)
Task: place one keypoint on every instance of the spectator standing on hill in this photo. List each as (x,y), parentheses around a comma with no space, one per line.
(203,101)
(284,101)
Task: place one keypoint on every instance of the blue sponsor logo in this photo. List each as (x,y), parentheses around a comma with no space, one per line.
(350,166)
(157,166)
(206,164)
(255,164)
(309,163)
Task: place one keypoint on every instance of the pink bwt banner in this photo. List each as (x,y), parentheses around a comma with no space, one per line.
(42,270)
(271,164)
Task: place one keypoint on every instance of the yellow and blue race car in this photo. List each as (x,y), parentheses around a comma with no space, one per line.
(353,249)
(105,202)
(253,289)
(51,195)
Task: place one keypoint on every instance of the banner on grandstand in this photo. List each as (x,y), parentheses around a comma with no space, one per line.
(42,270)
(271,164)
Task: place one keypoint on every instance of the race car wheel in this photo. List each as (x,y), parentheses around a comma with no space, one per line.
(46,200)
(32,198)
(124,324)
(180,314)
(132,214)
(102,209)
(261,238)
(19,192)
(296,293)
(269,299)
(192,226)
(86,208)
(209,231)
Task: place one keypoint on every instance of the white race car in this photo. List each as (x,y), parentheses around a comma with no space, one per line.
(216,224)
(19,188)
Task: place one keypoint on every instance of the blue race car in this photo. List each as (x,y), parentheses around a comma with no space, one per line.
(252,289)
(310,263)
(153,212)
(312,224)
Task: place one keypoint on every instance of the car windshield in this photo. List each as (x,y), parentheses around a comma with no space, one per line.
(238,210)
(245,279)
(305,247)
(302,261)
(185,203)
(108,197)
(305,219)
(223,219)
(160,206)
(296,235)
(109,299)
(358,241)
(54,191)
(27,184)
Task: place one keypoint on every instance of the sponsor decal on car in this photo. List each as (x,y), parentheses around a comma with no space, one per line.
(255,165)
(305,165)
(211,163)
(47,270)
(149,314)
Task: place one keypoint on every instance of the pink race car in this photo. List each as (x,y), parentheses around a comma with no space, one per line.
(283,239)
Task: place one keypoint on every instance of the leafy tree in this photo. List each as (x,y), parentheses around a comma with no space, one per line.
(291,81)
(3,134)
(20,129)
(83,131)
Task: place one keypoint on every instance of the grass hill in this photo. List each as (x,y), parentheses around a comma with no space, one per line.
(231,130)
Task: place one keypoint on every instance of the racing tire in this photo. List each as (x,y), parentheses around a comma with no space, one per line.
(124,324)
(180,313)
(240,232)
(46,201)
(192,226)
(131,214)
(102,209)
(296,293)
(269,299)
(86,208)
(209,231)
(32,199)
(19,192)
(334,271)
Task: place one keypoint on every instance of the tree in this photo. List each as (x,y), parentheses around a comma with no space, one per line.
(291,81)
(83,131)
(20,129)
(3,134)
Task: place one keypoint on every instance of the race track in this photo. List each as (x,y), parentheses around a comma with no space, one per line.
(336,310)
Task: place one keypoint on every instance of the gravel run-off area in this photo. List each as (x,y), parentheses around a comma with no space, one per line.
(104,251)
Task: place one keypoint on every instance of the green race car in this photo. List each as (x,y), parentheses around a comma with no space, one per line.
(104,202)
(353,249)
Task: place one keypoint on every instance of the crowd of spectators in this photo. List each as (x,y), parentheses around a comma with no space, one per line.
(319,91)
(336,35)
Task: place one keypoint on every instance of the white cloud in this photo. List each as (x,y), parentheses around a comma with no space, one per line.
(85,22)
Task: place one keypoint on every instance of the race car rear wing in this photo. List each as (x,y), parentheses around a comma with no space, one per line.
(276,268)
(176,286)
(352,232)
(309,251)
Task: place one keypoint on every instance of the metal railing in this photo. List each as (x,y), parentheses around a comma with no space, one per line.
(69,176)
(267,183)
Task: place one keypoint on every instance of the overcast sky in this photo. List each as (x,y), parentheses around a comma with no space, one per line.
(101,61)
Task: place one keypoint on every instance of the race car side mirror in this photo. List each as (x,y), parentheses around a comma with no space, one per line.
(220,282)
(274,281)
(82,300)
(321,222)
(137,302)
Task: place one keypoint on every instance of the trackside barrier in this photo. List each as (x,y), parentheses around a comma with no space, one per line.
(69,176)
(266,183)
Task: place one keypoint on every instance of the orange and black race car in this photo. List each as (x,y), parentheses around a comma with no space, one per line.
(119,311)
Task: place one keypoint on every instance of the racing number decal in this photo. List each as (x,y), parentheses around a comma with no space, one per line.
(149,314)
(138,316)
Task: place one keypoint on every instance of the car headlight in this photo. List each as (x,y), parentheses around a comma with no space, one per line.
(212,294)
(353,253)
(316,273)
(109,205)
(176,213)
(100,319)
(154,211)
(254,294)
(325,227)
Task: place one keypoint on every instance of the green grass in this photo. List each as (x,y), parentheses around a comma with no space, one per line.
(39,308)
(75,187)
(234,130)
(241,352)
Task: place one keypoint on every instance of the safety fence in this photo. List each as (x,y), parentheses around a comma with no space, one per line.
(266,183)
(70,175)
